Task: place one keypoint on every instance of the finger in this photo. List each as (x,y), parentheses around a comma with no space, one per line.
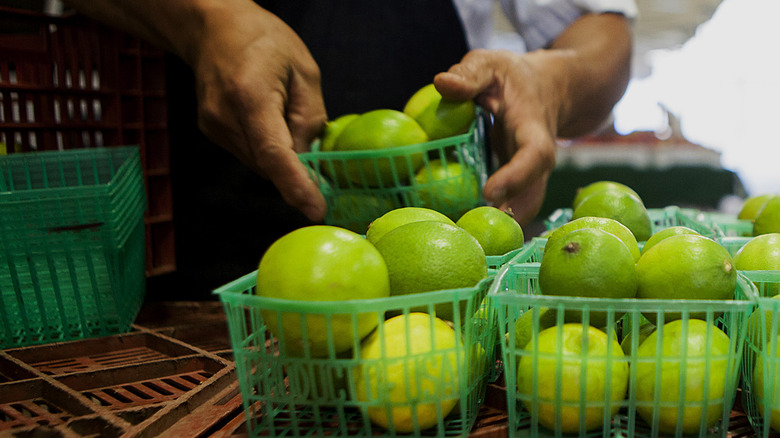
(275,157)
(534,158)
(306,116)
(473,75)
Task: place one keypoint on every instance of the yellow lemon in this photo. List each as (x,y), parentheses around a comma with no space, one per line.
(409,373)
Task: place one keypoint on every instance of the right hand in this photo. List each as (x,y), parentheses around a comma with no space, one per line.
(259,97)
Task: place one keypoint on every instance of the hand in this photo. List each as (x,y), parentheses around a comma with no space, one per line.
(524,101)
(259,97)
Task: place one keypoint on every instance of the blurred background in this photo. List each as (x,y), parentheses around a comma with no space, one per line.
(696,125)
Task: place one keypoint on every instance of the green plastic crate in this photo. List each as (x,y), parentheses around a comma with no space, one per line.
(761,386)
(354,203)
(72,244)
(515,292)
(296,394)
(660,218)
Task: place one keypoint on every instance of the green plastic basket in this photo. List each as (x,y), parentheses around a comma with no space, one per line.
(761,383)
(660,218)
(725,224)
(354,202)
(515,292)
(287,393)
(72,244)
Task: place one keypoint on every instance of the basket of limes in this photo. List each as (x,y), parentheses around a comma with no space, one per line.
(596,341)
(336,334)
(432,154)
(620,202)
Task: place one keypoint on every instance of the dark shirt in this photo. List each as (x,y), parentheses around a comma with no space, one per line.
(371,54)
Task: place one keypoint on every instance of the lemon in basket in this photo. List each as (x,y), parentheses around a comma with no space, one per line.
(402,216)
(686,267)
(768,219)
(430,255)
(619,205)
(408,375)
(588,363)
(753,205)
(380,131)
(588,263)
(597,186)
(333,129)
(439,117)
(448,187)
(602,223)
(663,234)
(761,253)
(767,391)
(320,263)
(704,367)
(495,229)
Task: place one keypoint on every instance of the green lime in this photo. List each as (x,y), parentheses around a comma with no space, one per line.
(495,229)
(619,205)
(588,263)
(333,129)
(447,187)
(402,216)
(381,130)
(768,219)
(602,223)
(753,205)
(584,192)
(686,267)
(663,234)
(320,263)
(430,255)
(439,117)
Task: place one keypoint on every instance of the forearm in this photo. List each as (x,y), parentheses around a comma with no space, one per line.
(174,25)
(592,65)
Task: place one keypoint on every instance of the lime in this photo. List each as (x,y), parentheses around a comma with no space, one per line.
(429,255)
(355,211)
(663,234)
(753,205)
(572,362)
(333,129)
(320,263)
(584,192)
(402,216)
(701,372)
(541,317)
(495,229)
(381,130)
(619,205)
(768,219)
(439,117)
(759,329)
(409,373)
(761,253)
(447,187)
(767,388)
(646,328)
(588,263)
(686,267)
(601,223)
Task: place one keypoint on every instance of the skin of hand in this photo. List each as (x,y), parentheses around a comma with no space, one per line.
(536,98)
(258,87)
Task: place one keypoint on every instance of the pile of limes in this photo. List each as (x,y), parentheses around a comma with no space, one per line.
(764,211)
(410,356)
